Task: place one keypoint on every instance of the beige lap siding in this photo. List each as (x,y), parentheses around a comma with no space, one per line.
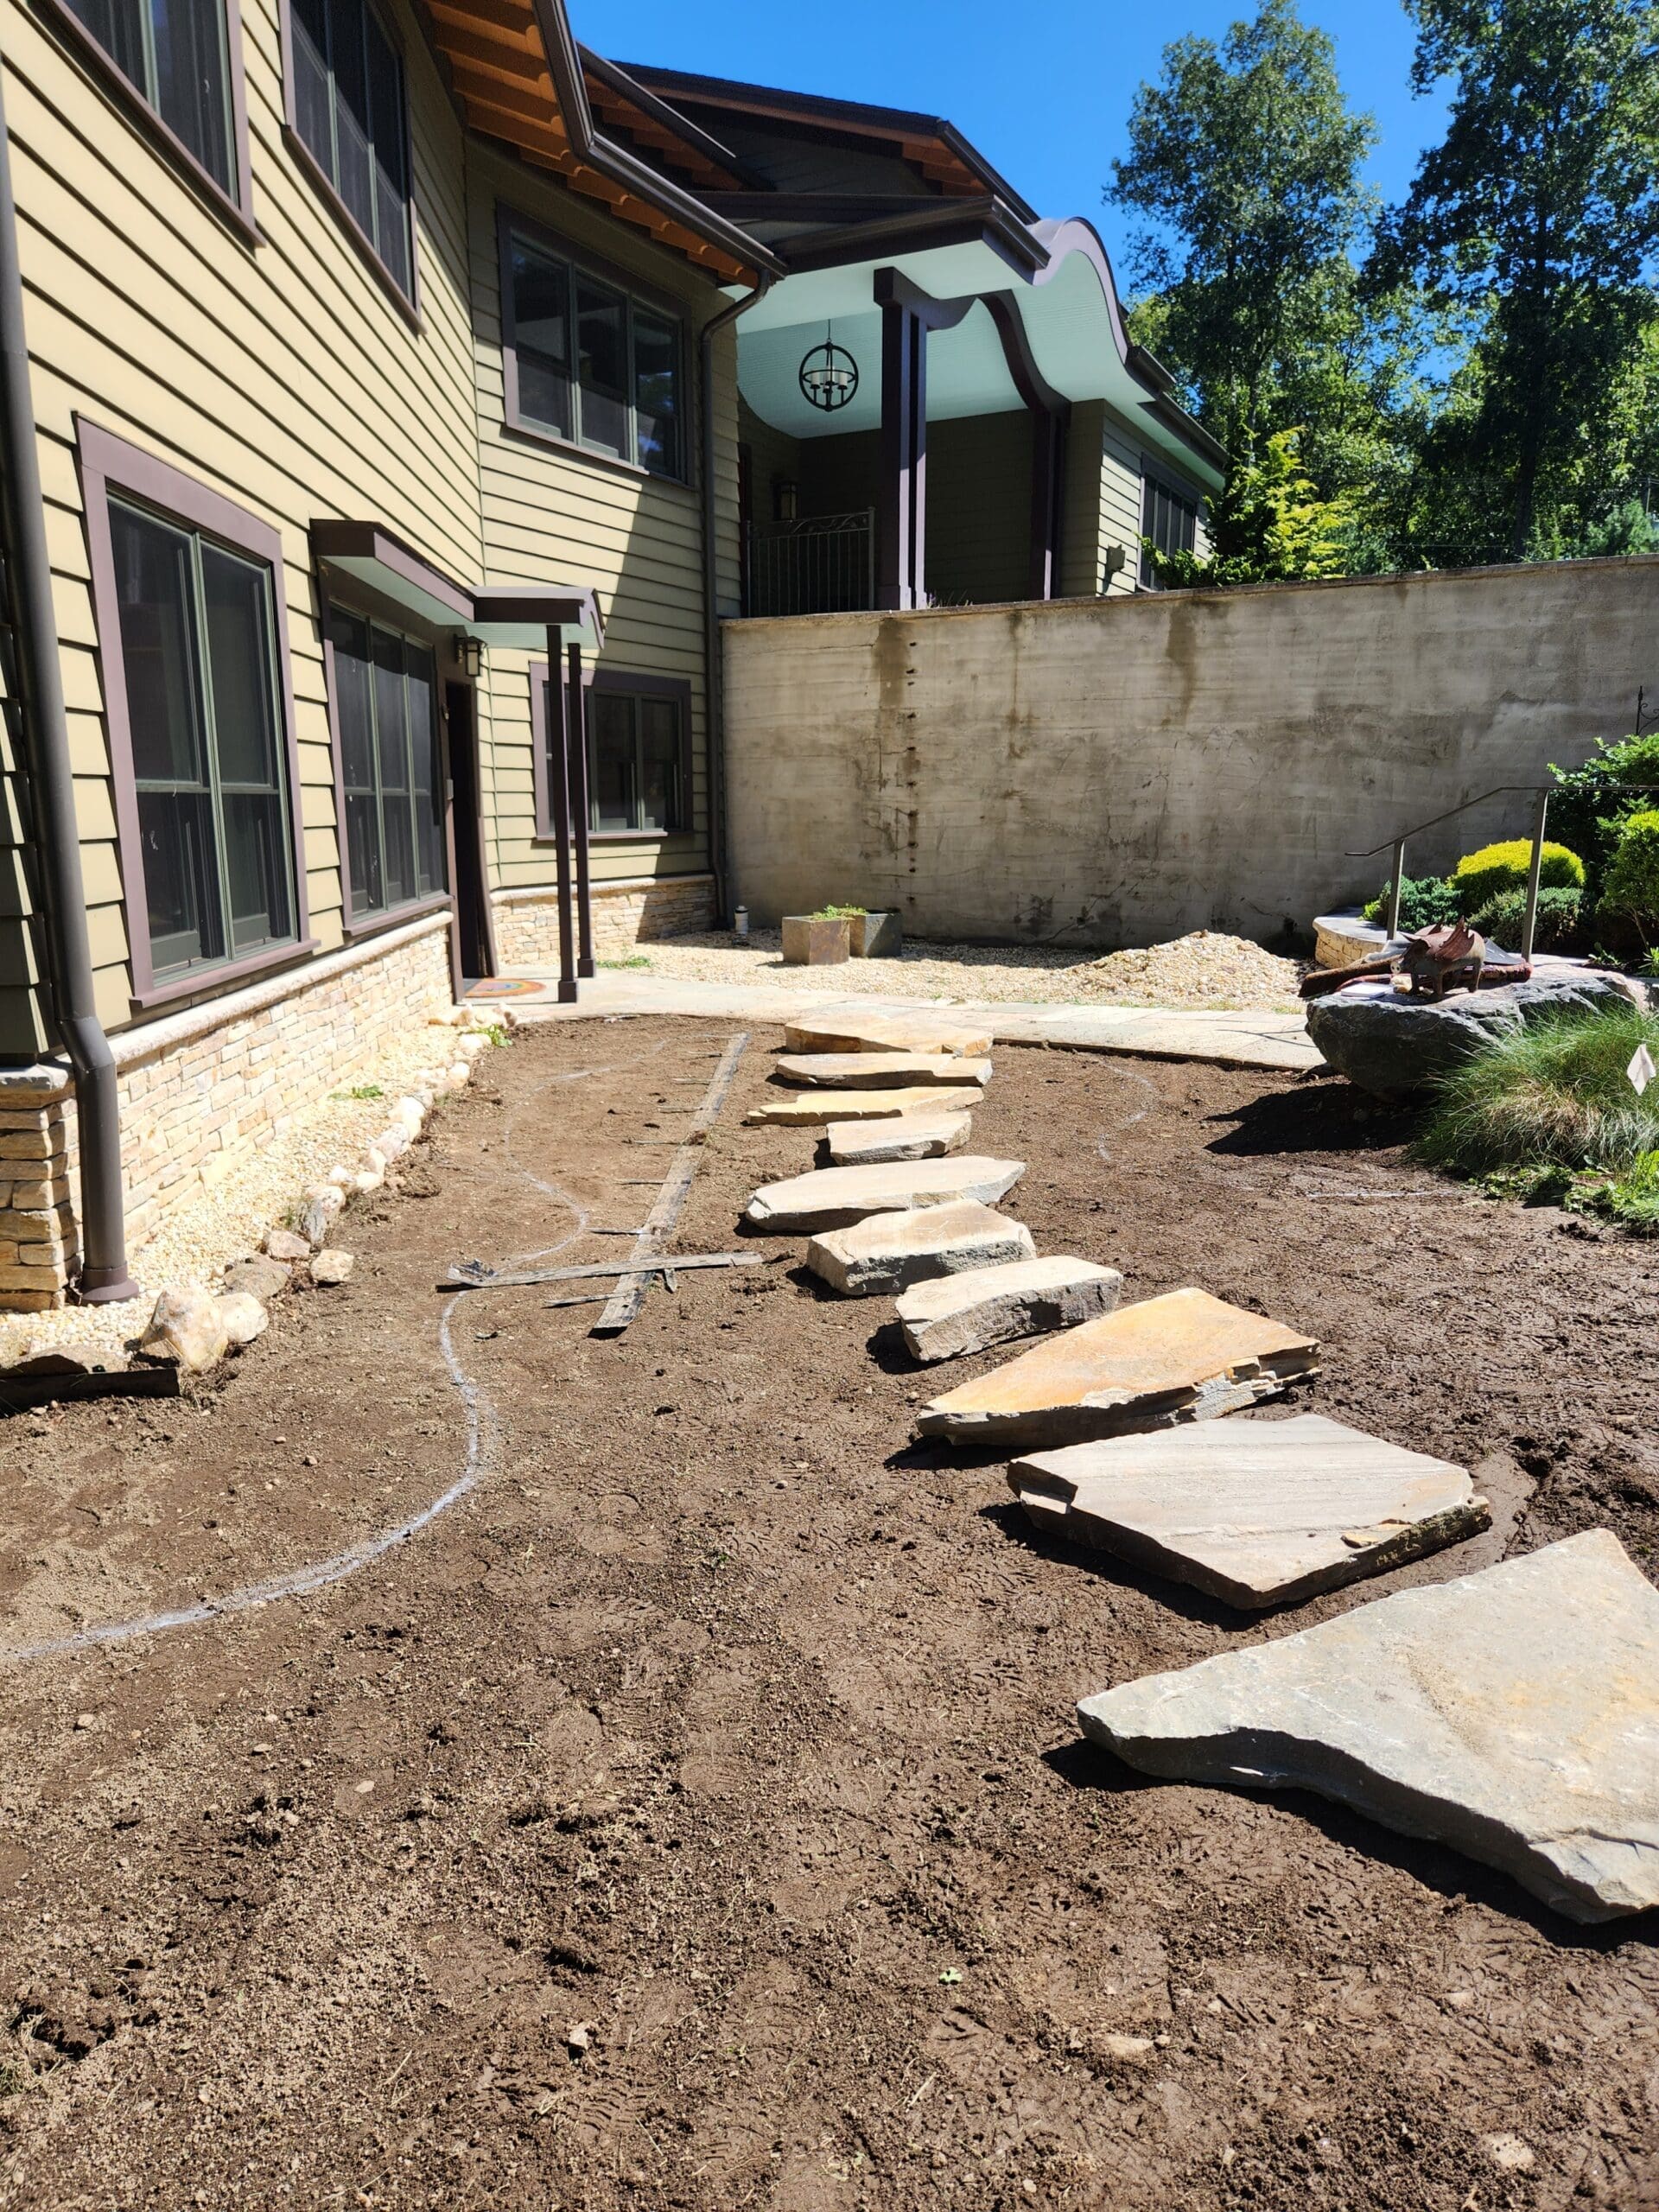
(625,915)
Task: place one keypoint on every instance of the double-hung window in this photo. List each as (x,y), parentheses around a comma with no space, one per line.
(386,712)
(346,105)
(589,362)
(176,54)
(204,712)
(1167,522)
(636,760)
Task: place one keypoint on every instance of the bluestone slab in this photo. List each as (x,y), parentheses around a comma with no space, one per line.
(832,1198)
(817,1109)
(993,1306)
(877,1070)
(1513,1714)
(904,1136)
(865,1029)
(887,1252)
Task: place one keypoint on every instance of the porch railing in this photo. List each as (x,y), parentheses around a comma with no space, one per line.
(819,564)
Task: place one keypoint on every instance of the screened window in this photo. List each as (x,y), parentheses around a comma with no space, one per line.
(593,365)
(348,110)
(199,655)
(386,710)
(636,766)
(1168,521)
(176,53)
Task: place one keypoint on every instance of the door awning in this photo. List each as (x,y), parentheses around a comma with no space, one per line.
(517,615)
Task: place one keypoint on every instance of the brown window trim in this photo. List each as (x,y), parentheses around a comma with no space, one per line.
(234,209)
(106,462)
(509,220)
(408,304)
(601,679)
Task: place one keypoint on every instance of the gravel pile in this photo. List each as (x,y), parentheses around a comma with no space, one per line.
(1205,970)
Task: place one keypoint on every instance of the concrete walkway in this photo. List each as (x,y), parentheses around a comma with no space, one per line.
(1234,1040)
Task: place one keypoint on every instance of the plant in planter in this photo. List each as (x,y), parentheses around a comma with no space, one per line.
(820,940)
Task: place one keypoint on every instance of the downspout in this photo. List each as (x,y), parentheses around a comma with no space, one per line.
(104,1276)
(713,685)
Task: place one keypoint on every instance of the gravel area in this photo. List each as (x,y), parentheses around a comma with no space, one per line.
(198,1237)
(1202,969)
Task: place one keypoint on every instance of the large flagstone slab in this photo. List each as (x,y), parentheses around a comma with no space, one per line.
(877,1070)
(903,1136)
(993,1306)
(1184,1357)
(1512,1713)
(887,1252)
(1255,1512)
(865,1029)
(817,1109)
(833,1197)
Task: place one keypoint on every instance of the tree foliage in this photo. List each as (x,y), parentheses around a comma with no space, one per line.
(1270,525)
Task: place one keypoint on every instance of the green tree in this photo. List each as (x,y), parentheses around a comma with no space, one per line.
(1270,525)
(1539,213)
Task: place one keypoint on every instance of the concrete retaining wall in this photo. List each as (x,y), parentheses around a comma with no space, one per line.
(1115,771)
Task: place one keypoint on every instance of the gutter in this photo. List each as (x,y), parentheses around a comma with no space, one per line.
(714,688)
(104,1276)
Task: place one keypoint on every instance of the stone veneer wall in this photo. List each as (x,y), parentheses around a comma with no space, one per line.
(198,1090)
(631,912)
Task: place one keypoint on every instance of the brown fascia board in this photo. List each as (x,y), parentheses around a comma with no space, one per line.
(935,223)
(671,118)
(854,116)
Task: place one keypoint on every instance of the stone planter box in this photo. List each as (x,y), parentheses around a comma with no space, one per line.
(877,937)
(813,941)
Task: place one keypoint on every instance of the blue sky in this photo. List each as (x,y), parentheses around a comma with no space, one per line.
(1042,86)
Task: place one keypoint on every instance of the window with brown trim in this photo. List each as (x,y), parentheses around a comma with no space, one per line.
(348,109)
(385,706)
(638,731)
(1168,522)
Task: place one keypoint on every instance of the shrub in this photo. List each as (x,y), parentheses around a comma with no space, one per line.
(1554,1094)
(1631,889)
(1634,1198)
(1590,805)
(1480,876)
(1425,901)
(1560,926)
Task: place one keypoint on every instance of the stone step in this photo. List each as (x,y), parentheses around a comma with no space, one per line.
(1511,1713)
(1255,1512)
(993,1304)
(817,1109)
(865,1029)
(1184,1356)
(887,1252)
(832,1198)
(906,1136)
(877,1070)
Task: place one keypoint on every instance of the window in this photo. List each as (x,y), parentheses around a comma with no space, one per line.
(588,362)
(638,781)
(1170,521)
(209,765)
(176,54)
(385,699)
(346,107)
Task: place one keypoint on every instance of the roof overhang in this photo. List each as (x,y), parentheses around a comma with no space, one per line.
(517,615)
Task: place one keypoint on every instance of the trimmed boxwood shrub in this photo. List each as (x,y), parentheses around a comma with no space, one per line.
(1631,890)
(1560,925)
(1591,805)
(1505,866)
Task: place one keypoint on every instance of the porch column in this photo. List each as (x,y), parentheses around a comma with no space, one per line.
(902,513)
(576,723)
(559,761)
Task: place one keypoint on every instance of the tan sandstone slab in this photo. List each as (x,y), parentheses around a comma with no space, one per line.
(877,1070)
(832,1198)
(995,1305)
(818,1109)
(1184,1356)
(864,1029)
(1512,1713)
(902,1136)
(1255,1512)
(887,1252)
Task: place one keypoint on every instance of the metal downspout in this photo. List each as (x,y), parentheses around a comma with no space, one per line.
(714,683)
(104,1275)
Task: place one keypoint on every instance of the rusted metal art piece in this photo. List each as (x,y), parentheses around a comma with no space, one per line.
(1437,960)
(1485,974)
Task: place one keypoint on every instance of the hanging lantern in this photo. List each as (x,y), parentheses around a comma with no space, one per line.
(828,374)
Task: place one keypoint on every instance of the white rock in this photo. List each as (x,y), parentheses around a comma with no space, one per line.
(188,1328)
(392,1141)
(993,1304)
(472,1045)
(243,1316)
(832,1198)
(887,1252)
(459,1074)
(367,1179)
(320,1208)
(332,1267)
(339,1177)
(284,1244)
(411,1113)
(911,1136)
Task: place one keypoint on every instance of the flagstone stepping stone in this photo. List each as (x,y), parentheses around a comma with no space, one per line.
(1181,1358)
(904,1136)
(1026,1298)
(1511,1713)
(887,1252)
(855,1029)
(877,1070)
(1255,1512)
(817,1109)
(832,1198)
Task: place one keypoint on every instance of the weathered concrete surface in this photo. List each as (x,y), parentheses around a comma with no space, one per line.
(907,1136)
(1512,1713)
(1128,768)
(817,1109)
(1255,1512)
(1395,1044)
(869,1028)
(834,1197)
(1180,1357)
(993,1306)
(878,1070)
(888,1252)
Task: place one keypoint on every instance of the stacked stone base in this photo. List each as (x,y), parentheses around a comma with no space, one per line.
(641,911)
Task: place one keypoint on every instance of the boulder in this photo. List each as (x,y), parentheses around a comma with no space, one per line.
(1511,1713)
(889,1251)
(243,1316)
(186,1329)
(907,1136)
(332,1267)
(993,1304)
(833,1197)
(1391,1045)
(878,1070)
(262,1278)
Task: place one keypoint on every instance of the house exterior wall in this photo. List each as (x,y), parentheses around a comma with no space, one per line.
(1118,770)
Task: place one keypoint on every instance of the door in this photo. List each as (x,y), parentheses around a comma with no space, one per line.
(474,938)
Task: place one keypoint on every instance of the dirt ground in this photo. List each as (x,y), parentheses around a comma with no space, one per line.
(693,1815)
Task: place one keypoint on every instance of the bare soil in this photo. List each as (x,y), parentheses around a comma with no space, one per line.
(693,1815)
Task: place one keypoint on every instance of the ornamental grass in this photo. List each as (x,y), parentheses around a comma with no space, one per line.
(1554,1095)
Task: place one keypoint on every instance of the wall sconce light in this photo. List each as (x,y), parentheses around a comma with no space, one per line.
(785,500)
(469,655)
(1116,561)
